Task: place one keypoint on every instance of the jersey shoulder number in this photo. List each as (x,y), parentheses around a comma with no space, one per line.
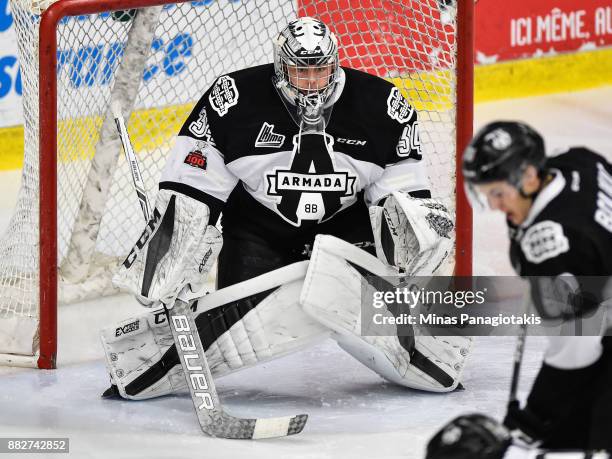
(409,144)
(198,128)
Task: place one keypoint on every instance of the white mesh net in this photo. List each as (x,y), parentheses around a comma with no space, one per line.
(172,55)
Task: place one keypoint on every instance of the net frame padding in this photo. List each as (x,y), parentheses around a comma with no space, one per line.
(80,68)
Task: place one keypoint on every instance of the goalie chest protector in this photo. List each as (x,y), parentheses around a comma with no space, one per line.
(293,187)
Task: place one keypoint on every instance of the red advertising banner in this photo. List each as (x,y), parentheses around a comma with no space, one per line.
(513,30)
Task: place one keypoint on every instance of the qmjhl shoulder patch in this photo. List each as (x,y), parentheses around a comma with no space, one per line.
(543,241)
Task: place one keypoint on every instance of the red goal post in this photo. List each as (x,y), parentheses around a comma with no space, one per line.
(456,92)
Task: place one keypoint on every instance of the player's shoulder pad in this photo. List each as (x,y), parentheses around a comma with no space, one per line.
(240,87)
(545,240)
(229,99)
(574,157)
(378,94)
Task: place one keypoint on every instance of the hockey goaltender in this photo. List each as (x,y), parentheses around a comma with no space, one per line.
(318,173)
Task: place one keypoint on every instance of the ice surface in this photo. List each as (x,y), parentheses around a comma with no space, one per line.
(354,413)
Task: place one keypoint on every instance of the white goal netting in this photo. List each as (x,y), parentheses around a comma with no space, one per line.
(157,65)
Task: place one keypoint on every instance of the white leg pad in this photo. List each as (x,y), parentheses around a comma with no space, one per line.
(277,326)
(332,295)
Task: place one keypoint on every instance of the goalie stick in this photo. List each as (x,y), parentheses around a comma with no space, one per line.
(213,420)
(132,161)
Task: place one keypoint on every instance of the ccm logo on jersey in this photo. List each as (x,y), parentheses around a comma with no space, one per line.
(197,377)
(359,143)
(543,241)
(267,138)
(196,159)
(132,326)
(224,95)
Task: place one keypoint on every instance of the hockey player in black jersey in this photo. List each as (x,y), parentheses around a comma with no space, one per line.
(294,149)
(318,173)
(559,215)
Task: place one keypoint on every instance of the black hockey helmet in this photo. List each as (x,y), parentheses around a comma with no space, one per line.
(469,436)
(501,151)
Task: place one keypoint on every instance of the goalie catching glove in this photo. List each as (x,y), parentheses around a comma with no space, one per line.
(412,234)
(177,249)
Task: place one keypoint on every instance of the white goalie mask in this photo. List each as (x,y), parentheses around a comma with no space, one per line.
(306,67)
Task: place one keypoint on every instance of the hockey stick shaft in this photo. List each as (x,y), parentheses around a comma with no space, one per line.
(130,156)
(518,360)
(213,420)
(518,357)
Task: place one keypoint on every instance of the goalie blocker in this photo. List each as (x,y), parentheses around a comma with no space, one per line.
(176,250)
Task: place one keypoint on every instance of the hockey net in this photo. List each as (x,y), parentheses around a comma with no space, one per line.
(76,57)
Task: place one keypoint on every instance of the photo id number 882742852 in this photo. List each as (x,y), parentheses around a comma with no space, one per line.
(34,445)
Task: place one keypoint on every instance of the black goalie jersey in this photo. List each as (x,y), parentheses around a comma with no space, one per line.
(239,152)
(569,227)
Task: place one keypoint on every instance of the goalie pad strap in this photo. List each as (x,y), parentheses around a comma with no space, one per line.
(418,360)
(268,281)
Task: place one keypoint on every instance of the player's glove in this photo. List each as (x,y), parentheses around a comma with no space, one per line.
(567,296)
(525,424)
